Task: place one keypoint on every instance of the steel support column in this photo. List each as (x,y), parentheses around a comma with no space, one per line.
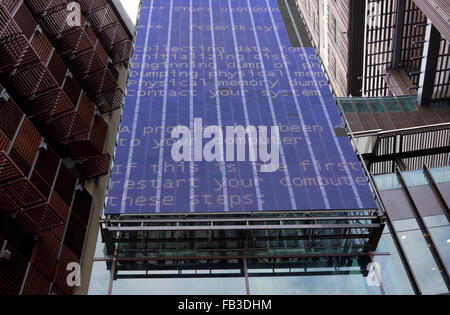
(437,190)
(429,64)
(398,37)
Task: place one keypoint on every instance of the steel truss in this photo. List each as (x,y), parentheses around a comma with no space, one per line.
(194,241)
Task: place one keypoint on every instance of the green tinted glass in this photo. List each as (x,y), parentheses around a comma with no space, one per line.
(362,106)
(408,104)
(377,106)
(441,104)
(347,106)
(392,105)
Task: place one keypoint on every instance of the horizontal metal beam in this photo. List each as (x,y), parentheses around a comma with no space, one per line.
(234,239)
(241,227)
(202,258)
(415,130)
(406,155)
(250,214)
(237,275)
(124,221)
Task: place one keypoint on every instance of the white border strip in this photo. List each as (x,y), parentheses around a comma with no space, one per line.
(244,103)
(219,115)
(297,105)
(191,110)
(163,118)
(136,112)
(272,111)
(324,108)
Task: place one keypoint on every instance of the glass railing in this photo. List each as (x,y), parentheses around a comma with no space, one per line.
(412,178)
(379,104)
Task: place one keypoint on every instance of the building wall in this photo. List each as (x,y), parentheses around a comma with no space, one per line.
(328,22)
(61,93)
(356,43)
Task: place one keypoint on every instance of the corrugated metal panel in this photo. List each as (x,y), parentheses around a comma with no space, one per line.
(16,52)
(121,51)
(19,194)
(40,183)
(82,205)
(26,145)
(75,235)
(438,11)
(50,104)
(11,5)
(47,165)
(43,217)
(96,167)
(45,254)
(108,28)
(12,116)
(60,278)
(110,100)
(102,17)
(32,81)
(92,144)
(86,110)
(87,58)
(9,27)
(38,6)
(54,21)
(88,5)
(12,272)
(42,46)
(8,169)
(4,145)
(58,231)
(65,184)
(36,283)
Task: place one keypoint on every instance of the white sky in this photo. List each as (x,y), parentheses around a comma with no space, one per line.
(132,7)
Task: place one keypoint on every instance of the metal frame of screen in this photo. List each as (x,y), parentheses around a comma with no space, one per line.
(308,238)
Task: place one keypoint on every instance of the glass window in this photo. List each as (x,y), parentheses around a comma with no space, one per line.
(387,182)
(408,104)
(393,274)
(444,104)
(100,249)
(419,256)
(347,106)
(377,106)
(100,277)
(435,220)
(180,286)
(325,281)
(392,105)
(405,225)
(441,238)
(415,178)
(362,106)
(441,174)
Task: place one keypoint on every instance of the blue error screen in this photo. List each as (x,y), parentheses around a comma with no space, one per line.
(223,114)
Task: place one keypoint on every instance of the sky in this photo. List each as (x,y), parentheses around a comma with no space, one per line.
(132,7)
